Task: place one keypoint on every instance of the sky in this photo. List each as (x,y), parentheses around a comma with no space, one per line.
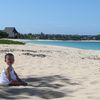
(51,16)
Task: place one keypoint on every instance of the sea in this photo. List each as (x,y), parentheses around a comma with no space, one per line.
(87,45)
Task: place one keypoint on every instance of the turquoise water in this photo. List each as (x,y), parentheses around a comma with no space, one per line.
(81,45)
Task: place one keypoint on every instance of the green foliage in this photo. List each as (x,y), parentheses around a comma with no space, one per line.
(57,36)
(3,34)
(98,37)
(3,41)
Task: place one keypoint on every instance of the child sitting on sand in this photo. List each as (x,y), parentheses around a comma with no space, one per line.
(8,75)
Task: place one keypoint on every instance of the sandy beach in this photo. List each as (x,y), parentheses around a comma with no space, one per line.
(53,72)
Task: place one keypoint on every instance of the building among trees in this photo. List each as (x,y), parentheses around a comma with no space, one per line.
(11,31)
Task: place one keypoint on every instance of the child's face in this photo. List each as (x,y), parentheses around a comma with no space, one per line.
(9,60)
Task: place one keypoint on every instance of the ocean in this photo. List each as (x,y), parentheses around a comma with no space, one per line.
(75,44)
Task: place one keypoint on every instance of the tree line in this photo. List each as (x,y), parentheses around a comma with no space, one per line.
(57,36)
(52,36)
(3,34)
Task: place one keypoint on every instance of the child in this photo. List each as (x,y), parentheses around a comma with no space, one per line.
(8,75)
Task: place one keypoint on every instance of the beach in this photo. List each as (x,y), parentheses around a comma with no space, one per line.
(53,73)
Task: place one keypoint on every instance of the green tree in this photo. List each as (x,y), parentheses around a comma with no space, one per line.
(3,34)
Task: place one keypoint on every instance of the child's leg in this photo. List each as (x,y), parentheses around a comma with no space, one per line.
(23,83)
(18,83)
(19,80)
(14,83)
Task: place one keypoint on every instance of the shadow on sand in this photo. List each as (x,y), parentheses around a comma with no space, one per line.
(42,87)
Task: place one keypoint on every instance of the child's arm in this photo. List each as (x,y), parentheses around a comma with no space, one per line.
(8,73)
(16,76)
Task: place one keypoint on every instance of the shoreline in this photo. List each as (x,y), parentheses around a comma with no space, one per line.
(62,47)
(56,40)
(54,46)
(26,41)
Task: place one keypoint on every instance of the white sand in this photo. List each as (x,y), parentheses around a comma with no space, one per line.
(56,73)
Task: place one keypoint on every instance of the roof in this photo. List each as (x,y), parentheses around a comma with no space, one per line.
(10,29)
